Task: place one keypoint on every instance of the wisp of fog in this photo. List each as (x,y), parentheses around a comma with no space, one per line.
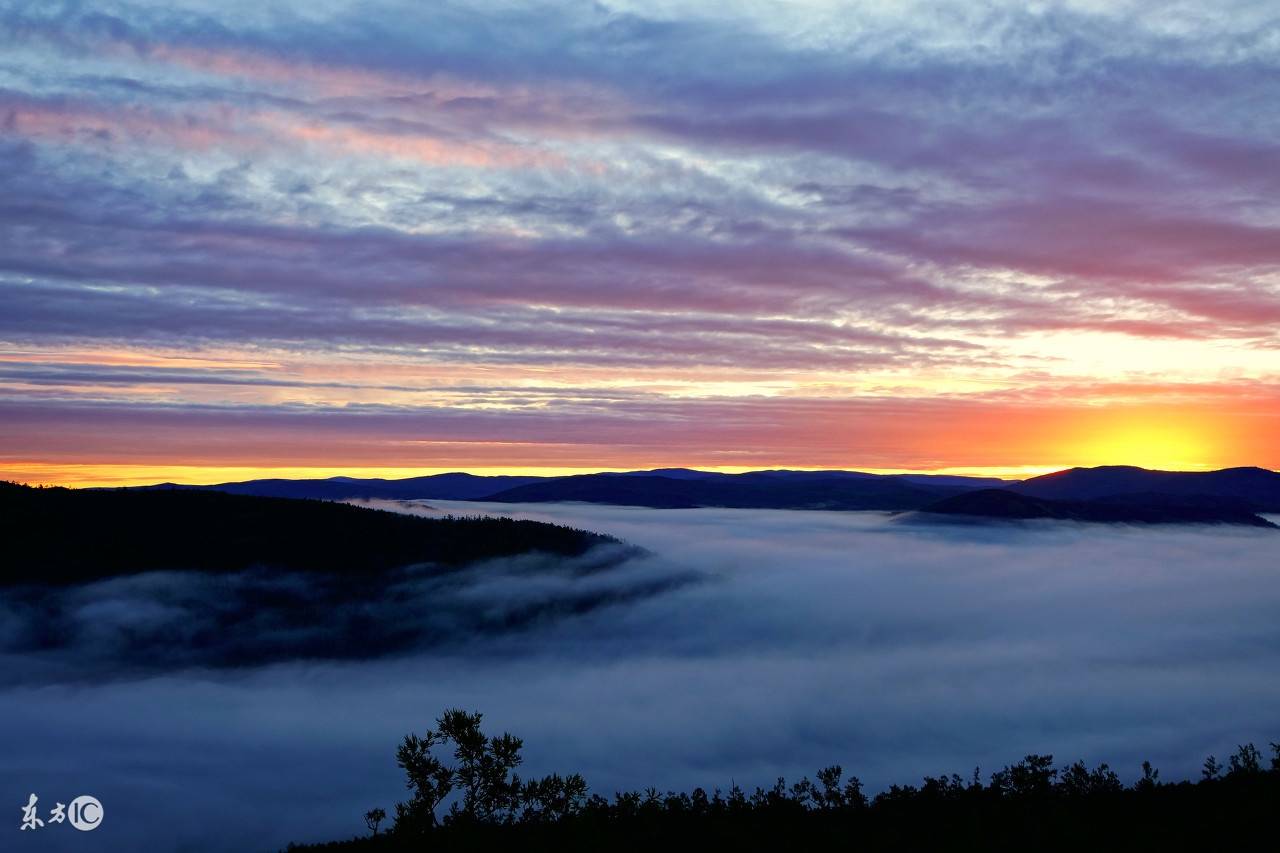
(745,645)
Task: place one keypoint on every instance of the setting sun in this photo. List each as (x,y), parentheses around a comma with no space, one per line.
(1163,442)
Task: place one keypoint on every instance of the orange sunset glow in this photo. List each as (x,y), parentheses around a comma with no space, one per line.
(984,441)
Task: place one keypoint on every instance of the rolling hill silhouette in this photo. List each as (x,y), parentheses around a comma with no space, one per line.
(455,486)
(1256,488)
(1129,490)
(742,491)
(1126,509)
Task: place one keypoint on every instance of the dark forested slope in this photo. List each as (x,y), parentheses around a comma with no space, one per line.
(56,535)
(206,579)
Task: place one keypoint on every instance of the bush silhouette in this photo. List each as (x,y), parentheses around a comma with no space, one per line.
(1031,805)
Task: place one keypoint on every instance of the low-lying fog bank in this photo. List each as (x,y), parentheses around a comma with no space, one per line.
(804,639)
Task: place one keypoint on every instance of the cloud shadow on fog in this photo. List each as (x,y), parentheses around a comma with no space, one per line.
(156,622)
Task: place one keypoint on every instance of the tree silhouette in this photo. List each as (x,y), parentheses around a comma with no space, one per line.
(484,768)
(1079,781)
(1150,778)
(482,773)
(427,777)
(1032,776)
(373,818)
(1247,761)
(552,798)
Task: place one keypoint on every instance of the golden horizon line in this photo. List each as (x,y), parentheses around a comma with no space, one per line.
(81,475)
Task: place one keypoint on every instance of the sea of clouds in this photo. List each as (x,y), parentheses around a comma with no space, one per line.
(745,645)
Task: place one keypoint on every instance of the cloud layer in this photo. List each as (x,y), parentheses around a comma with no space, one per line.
(812,638)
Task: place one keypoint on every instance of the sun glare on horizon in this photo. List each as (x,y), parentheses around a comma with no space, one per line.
(1153,442)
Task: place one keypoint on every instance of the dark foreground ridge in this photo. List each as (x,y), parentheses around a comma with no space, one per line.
(1002,504)
(58,536)
(1032,805)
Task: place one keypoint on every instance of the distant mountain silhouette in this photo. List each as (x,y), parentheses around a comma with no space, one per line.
(661,487)
(670,473)
(1245,489)
(456,486)
(55,535)
(944,480)
(1129,509)
(1256,488)
(756,490)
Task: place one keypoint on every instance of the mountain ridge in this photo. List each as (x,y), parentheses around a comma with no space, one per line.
(1007,505)
(742,491)
(1249,488)
(1258,487)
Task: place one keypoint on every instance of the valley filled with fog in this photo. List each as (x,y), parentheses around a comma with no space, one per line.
(744,645)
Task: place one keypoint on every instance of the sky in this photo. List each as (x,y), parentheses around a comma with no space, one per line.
(315,238)
(783,642)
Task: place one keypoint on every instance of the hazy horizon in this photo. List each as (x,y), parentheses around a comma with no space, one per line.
(206,476)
